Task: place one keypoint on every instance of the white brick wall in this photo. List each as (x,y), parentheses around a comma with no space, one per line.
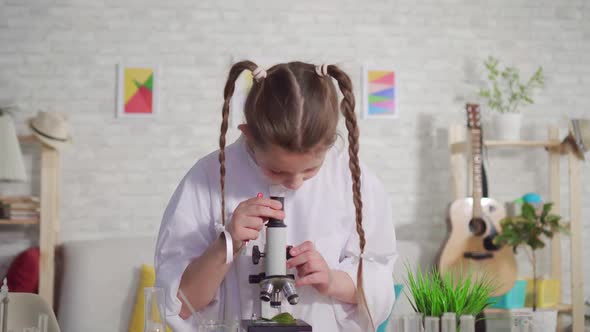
(118,176)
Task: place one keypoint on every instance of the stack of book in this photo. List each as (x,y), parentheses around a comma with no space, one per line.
(20,208)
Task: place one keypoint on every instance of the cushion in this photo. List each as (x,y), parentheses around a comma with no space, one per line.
(104,272)
(23,273)
(147,278)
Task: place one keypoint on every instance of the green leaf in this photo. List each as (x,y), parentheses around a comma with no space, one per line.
(553,219)
(528,211)
(284,318)
(484,93)
(546,209)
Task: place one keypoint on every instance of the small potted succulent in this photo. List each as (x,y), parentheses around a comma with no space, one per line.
(506,94)
(529,230)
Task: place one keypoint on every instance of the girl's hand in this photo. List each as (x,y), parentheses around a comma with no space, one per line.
(249,218)
(312,269)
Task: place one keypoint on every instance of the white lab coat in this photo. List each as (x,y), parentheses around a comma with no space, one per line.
(321,211)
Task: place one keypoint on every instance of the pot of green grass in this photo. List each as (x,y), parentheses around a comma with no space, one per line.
(433,294)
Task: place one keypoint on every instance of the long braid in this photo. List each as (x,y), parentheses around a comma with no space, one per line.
(228,92)
(347,108)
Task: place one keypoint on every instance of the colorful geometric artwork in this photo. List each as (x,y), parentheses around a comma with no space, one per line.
(379,93)
(137,95)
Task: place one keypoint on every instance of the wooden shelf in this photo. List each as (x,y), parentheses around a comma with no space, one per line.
(461,146)
(462,184)
(19,221)
(48,220)
(522,144)
(562,308)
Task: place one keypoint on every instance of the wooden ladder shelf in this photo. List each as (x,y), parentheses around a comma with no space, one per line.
(48,220)
(461,181)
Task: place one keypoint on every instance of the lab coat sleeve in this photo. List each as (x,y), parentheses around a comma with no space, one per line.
(381,253)
(185,233)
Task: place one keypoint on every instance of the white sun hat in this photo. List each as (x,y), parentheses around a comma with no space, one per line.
(51,128)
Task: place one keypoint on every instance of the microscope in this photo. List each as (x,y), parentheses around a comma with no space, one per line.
(275,284)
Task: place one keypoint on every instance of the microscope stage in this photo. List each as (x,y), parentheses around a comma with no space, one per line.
(269,326)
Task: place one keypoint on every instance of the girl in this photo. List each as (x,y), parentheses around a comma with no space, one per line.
(338,217)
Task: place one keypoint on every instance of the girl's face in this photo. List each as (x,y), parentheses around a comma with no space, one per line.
(287,168)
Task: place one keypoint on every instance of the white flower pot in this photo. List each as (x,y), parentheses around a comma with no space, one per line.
(545,320)
(507,126)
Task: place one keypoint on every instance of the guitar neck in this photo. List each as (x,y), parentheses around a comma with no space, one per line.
(477,176)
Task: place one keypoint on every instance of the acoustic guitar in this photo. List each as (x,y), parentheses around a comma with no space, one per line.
(474,223)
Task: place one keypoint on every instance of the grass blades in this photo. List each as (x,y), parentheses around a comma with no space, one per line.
(433,294)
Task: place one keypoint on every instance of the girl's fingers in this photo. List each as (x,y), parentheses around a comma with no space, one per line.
(312,279)
(271,203)
(304,247)
(248,234)
(308,268)
(301,259)
(253,223)
(263,212)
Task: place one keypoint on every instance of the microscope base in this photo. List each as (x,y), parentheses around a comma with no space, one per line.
(266,326)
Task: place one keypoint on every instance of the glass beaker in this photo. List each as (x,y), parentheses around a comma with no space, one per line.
(449,322)
(413,322)
(154,310)
(467,323)
(431,324)
(397,323)
(521,321)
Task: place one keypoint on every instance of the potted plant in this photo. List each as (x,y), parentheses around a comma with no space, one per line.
(433,294)
(505,93)
(529,230)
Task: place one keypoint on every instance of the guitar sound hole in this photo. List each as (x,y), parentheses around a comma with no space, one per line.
(477,226)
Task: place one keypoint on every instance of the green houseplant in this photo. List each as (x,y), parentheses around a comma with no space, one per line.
(529,230)
(506,93)
(433,294)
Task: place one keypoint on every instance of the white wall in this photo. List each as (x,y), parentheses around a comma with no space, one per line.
(118,176)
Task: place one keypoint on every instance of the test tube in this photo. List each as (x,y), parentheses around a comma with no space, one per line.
(467,323)
(449,322)
(431,324)
(413,322)
(397,323)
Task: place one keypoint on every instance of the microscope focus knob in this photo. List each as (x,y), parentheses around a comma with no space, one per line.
(256,254)
(255,278)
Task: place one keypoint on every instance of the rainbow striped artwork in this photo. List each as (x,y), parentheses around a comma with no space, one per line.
(137,91)
(379,93)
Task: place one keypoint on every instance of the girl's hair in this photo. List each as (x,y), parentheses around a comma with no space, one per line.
(296,107)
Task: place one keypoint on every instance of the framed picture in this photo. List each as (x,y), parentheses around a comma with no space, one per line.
(379,93)
(137,91)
